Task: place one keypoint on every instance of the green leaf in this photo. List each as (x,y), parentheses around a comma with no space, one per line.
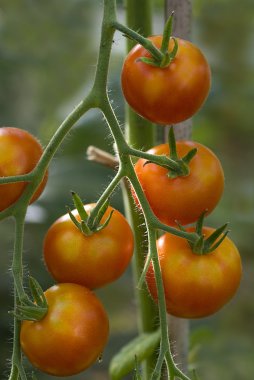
(141,347)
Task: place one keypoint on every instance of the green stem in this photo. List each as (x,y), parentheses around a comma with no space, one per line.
(140,133)
(147,44)
(19,293)
(107,192)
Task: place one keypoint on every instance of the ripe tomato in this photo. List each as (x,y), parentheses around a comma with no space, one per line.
(92,261)
(71,336)
(196,285)
(19,154)
(182,198)
(166,95)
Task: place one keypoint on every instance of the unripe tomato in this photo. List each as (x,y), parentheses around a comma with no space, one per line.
(19,154)
(92,261)
(171,94)
(71,336)
(196,285)
(184,198)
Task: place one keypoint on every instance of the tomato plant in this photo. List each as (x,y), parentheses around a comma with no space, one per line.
(182,199)
(19,154)
(170,94)
(71,336)
(94,260)
(196,285)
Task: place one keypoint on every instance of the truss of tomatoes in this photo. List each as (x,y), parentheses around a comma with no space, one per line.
(195,285)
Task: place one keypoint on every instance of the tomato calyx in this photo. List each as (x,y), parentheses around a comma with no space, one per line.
(177,167)
(32,310)
(167,56)
(89,224)
(202,245)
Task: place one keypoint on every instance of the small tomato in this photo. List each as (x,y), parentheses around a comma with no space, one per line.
(196,285)
(71,336)
(185,198)
(171,94)
(19,154)
(94,260)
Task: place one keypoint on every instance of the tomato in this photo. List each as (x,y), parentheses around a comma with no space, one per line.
(196,285)
(92,261)
(183,198)
(71,336)
(19,154)
(166,95)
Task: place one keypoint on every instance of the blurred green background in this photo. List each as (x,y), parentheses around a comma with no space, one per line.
(47,59)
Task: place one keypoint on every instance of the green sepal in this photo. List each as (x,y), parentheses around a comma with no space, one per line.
(29,313)
(102,226)
(198,246)
(94,220)
(37,293)
(85,229)
(134,352)
(33,377)
(214,236)
(216,245)
(73,219)
(149,61)
(79,206)
(167,34)
(189,156)
(200,223)
(173,53)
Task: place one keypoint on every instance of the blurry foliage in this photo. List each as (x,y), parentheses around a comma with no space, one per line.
(47,59)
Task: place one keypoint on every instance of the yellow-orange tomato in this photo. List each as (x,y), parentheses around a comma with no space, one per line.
(92,261)
(166,95)
(185,198)
(196,285)
(71,336)
(19,154)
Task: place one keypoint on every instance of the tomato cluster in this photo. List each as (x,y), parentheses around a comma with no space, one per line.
(195,284)
(60,343)
(75,316)
(82,256)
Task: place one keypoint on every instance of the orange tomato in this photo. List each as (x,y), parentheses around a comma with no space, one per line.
(19,154)
(171,94)
(196,285)
(71,336)
(183,198)
(92,261)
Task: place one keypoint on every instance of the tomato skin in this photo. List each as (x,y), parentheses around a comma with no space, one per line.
(196,285)
(92,261)
(166,95)
(182,198)
(19,154)
(71,336)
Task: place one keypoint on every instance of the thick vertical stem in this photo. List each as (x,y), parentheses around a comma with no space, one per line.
(140,134)
(179,328)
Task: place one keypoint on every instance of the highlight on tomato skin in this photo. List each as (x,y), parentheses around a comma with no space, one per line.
(72,335)
(19,154)
(185,198)
(93,261)
(171,94)
(196,285)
